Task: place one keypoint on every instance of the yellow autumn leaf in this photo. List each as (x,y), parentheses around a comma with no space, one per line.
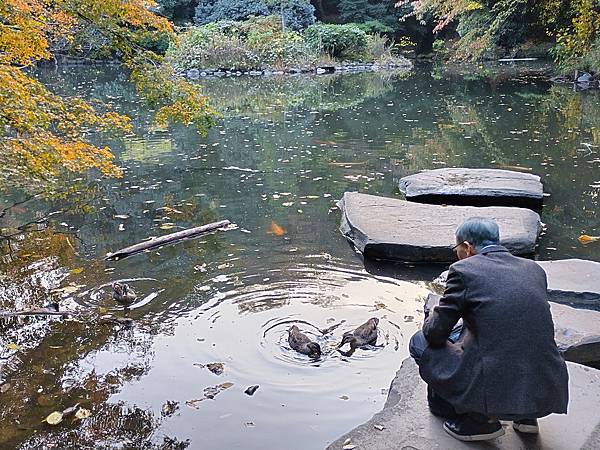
(83,413)
(76,271)
(54,418)
(13,346)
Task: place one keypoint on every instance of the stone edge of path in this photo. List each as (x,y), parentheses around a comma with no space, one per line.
(405,423)
(196,74)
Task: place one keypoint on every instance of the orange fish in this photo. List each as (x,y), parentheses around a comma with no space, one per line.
(276,229)
(585,239)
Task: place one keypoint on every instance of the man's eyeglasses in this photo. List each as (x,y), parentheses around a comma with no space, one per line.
(458,245)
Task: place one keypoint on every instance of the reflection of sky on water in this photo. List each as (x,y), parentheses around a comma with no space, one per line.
(285,151)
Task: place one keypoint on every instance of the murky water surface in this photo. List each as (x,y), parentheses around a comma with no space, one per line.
(285,151)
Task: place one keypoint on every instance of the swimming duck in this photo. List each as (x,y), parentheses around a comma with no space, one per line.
(302,343)
(364,335)
(123,294)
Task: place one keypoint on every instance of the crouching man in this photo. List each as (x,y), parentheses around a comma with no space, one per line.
(487,351)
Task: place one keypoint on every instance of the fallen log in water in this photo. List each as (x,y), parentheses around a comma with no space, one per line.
(167,239)
(50,310)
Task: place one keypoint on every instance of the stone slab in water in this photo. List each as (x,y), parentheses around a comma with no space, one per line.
(474,186)
(576,331)
(405,421)
(393,229)
(575,281)
(570,281)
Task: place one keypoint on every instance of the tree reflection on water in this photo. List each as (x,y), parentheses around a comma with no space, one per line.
(286,149)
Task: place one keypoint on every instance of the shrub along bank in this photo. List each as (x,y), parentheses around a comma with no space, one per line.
(261,43)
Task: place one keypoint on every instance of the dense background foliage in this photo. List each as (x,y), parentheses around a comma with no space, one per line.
(488,29)
(566,30)
(262,43)
(295,14)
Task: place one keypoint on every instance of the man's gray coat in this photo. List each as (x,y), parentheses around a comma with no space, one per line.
(506,363)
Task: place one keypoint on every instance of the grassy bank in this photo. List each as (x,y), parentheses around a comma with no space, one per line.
(261,43)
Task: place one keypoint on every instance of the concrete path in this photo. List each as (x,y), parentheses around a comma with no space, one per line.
(406,424)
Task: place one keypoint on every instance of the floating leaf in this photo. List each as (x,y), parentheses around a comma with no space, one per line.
(167,226)
(349,447)
(195,402)
(585,239)
(276,229)
(121,216)
(54,418)
(225,385)
(83,413)
(77,270)
(344,397)
(70,289)
(216,368)
(379,427)
(13,346)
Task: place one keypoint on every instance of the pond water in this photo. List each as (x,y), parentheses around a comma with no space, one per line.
(285,150)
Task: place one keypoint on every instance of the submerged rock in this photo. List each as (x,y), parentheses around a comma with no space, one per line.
(193,74)
(406,423)
(576,331)
(393,229)
(463,186)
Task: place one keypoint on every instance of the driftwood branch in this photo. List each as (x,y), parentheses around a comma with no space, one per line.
(167,239)
(37,312)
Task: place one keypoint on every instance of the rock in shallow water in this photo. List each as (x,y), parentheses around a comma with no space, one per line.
(405,421)
(461,186)
(393,229)
(575,281)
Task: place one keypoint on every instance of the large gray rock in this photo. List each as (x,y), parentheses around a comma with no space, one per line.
(406,424)
(576,331)
(389,228)
(575,281)
(462,186)
(570,281)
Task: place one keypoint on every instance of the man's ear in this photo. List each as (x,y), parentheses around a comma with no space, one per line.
(470,249)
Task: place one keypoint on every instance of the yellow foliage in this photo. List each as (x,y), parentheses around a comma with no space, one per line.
(42,133)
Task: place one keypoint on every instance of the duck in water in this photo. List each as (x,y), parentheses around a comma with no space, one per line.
(366,334)
(302,343)
(123,294)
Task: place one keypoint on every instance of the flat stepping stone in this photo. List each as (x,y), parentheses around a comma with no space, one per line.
(576,331)
(406,423)
(573,281)
(460,186)
(388,228)
(570,281)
